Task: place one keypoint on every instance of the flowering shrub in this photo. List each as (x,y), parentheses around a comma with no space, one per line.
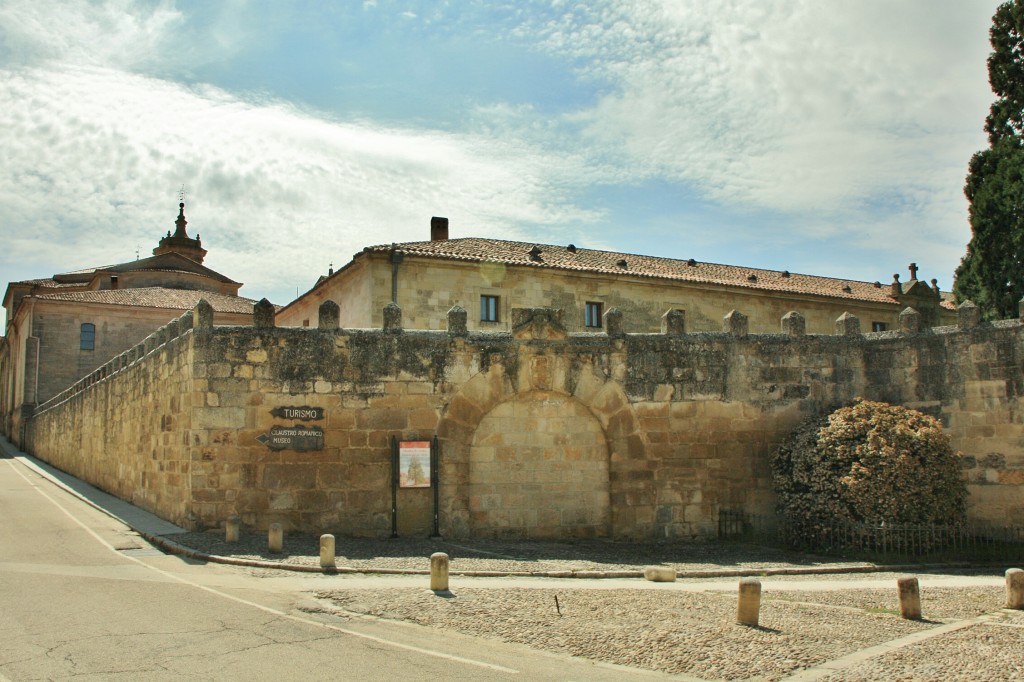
(868,462)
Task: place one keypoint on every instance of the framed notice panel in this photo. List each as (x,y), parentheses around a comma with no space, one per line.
(414,464)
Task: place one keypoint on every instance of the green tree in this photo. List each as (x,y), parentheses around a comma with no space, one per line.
(992,272)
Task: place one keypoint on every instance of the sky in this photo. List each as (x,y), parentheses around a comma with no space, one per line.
(821,137)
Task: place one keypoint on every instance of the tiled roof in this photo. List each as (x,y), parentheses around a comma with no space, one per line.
(157,297)
(167,262)
(47,283)
(476,249)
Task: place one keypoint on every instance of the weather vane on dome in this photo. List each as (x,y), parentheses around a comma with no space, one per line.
(181,194)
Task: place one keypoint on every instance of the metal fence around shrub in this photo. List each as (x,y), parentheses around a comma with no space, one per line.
(969,542)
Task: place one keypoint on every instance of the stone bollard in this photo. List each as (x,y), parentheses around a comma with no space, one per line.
(326,551)
(660,574)
(1015,588)
(910,598)
(275,538)
(749,606)
(231,528)
(439,572)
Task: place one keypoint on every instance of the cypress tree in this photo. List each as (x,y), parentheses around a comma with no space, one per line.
(992,272)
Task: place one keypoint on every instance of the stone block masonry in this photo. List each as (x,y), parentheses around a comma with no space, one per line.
(542,433)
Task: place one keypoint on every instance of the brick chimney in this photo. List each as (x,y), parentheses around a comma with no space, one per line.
(438,229)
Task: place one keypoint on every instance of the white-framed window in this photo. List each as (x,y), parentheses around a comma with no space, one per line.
(593,313)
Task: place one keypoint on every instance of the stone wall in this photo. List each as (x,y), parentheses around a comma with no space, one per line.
(542,433)
(126,427)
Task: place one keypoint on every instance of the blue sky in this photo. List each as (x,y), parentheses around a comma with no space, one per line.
(828,138)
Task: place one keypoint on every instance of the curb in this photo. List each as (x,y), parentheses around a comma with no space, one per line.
(176,548)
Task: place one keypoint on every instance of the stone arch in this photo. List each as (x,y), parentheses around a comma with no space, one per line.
(591,398)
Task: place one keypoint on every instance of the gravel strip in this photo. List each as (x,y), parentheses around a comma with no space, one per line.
(512,557)
(674,632)
(986,651)
(696,634)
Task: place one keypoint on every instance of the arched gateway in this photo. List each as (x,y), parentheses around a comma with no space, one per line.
(530,443)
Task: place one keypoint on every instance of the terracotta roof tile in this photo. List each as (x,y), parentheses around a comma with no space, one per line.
(47,283)
(608,262)
(157,297)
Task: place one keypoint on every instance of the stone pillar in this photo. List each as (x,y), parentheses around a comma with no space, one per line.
(202,315)
(660,574)
(673,322)
(910,598)
(1015,589)
(185,321)
(172,330)
(794,324)
(392,318)
(735,323)
(231,528)
(748,608)
(848,325)
(457,321)
(275,538)
(910,321)
(439,572)
(263,314)
(326,551)
(968,315)
(613,323)
(330,315)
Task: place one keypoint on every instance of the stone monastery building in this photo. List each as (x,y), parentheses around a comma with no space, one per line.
(61,328)
(490,277)
(480,387)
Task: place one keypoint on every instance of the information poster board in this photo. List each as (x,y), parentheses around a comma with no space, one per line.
(414,464)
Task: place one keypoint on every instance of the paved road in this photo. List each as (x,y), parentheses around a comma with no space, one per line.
(83,596)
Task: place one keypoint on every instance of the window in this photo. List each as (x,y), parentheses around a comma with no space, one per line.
(87,339)
(592,315)
(879,326)
(489,307)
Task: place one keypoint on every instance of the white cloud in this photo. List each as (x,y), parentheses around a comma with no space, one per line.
(96,157)
(118,33)
(784,104)
(851,125)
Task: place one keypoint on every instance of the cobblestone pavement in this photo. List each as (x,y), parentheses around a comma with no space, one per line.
(839,626)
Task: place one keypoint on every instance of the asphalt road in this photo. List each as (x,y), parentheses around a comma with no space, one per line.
(83,597)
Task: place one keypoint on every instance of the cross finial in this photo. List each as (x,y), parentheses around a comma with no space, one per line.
(913,271)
